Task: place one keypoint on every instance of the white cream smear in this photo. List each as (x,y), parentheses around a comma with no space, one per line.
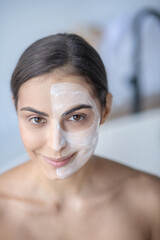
(74,137)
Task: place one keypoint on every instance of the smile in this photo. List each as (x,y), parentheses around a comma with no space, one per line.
(59,162)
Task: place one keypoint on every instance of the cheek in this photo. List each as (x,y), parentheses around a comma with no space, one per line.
(81,139)
(83,142)
(84,138)
(32,139)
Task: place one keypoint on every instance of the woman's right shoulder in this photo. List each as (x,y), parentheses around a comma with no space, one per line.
(11,180)
(10,192)
(13,173)
(12,184)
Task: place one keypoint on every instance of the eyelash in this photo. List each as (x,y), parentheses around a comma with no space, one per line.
(71,119)
(34,118)
(82,117)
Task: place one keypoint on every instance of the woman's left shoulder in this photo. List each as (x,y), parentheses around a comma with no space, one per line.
(143,198)
(146,187)
(135,185)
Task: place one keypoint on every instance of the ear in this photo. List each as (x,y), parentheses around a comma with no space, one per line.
(107,109)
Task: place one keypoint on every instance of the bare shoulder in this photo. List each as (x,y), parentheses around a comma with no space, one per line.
(142,194)
(131,180)
(139,193)
(144,189)
(137,186)
(12,182)
(12,193)
(13,176)
(15,191)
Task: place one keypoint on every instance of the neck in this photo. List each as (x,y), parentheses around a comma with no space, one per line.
(76,185)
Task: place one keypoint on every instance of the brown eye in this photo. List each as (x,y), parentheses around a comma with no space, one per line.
(37,120)
(76,118)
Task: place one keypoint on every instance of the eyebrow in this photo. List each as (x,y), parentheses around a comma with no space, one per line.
(75,109)
(30,109)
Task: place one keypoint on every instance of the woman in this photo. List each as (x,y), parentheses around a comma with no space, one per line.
(61,96)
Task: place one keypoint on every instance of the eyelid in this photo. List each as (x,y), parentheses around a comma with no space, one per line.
(33,117)
(79,111)
(84,116)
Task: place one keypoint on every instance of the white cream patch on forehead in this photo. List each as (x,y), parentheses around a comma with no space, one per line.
(70,91)
(81,138)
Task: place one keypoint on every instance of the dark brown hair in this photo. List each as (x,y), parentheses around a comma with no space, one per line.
(61,50)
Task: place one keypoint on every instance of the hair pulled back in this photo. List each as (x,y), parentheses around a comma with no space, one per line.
(61,50)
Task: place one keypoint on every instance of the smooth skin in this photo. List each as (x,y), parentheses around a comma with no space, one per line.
(103,200)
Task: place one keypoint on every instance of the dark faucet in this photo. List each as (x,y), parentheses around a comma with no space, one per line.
(137,27)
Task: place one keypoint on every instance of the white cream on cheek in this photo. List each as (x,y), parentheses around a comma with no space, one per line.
(65,96)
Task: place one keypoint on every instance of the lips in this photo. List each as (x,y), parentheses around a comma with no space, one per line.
(60,162)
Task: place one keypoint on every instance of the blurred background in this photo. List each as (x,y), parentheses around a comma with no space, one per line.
(127,36)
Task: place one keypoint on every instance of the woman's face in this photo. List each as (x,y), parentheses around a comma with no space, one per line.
(59,118)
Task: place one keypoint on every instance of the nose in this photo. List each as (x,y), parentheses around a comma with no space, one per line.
(56,139)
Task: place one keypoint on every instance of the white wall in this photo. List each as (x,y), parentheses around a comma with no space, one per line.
(21,23)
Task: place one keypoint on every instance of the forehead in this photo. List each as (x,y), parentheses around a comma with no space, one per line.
(37,91)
